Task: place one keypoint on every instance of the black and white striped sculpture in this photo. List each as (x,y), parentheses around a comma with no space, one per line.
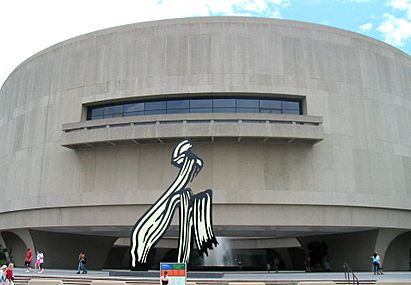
(195,212)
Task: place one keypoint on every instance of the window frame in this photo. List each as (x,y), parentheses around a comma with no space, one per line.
(211,104)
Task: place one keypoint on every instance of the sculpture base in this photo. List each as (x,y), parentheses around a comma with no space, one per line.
(212,275)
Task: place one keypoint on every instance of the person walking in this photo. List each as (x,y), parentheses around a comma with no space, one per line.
(37,263)
(41,262)
(3,275)
(39,266)
(307,263)
(80,264)
(379,264)
(376,264)
(82,259)
(10,274)
(29,257)
(276,264)
(268,266)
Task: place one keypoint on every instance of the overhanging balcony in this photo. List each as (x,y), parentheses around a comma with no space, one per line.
(209,127)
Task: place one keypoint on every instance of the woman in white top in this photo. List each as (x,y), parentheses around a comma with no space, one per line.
(3,275)
(39,262)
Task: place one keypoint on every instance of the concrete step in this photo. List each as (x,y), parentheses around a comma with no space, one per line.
(86,280)
(350,281)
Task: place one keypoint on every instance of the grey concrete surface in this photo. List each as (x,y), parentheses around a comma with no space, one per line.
(260,128)
(355,183)
(293,276)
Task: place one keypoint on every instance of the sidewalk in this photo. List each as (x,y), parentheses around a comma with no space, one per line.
(249,276)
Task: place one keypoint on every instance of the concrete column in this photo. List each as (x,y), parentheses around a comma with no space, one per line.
(285,255)
(25,236)
(18,240)
(384,239)
(3,244)
(398,253)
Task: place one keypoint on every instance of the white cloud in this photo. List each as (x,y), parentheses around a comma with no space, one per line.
(263,8)
(257,6)
(282,3)
(395,31)
(402,5)
(275,14)
(365,27)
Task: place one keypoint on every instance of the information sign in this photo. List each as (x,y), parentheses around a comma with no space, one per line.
(176,273)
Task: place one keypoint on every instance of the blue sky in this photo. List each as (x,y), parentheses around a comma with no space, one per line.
(28,26)
(384,20)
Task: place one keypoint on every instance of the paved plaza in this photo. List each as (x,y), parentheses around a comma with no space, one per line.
(285,276)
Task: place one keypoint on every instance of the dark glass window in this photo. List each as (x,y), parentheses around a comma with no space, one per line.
(114,115)
(113,111)
(201,110)
(223,103)
(271,111)
(97,112)
(248,110)
(133,107)
(291,105)
(178,104)
(200,105)
(223,110)
(177,111)
(138,113)
(248,103)
(270,104)
(155,105)
(154,112)
(289,111)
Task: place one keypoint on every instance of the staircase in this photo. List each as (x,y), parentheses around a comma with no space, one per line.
(360,282)
(23,280)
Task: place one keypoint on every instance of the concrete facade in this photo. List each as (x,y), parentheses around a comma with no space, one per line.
(343,169)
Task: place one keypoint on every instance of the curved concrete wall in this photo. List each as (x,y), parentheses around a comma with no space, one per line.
(360,87)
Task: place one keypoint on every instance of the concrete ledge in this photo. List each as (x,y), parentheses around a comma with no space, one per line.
(262,128)
(107,282)
(191,283)
(316,283)
(45,282)
(393,282)
(246,283)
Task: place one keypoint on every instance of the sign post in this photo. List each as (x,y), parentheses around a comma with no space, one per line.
(176,273)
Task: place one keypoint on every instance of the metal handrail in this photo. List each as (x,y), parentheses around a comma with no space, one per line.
(350,275)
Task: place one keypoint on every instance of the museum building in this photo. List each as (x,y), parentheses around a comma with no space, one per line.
(304,132)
